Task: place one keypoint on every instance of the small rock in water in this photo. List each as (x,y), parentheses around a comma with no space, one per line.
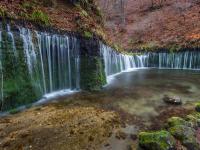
(172,100)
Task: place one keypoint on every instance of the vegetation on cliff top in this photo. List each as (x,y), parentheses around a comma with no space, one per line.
(172,32)
(82,16)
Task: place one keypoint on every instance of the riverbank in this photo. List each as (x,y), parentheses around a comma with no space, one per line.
(57,127)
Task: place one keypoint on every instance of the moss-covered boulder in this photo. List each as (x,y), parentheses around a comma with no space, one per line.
(174,121)
(159,140)
(186,135)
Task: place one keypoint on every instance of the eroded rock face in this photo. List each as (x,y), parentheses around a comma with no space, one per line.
(172,100)
(159,140)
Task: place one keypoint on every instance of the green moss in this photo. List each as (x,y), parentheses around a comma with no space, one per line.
(14,111)
(29,5)
(186,135)
(88,34)
(18,88)
(117,47)
(40,17)
(174,48)
(197,107)
(194,119)
(159,140)
(174,121)
(196,115)
(92,73)
(150,46)
(2,12)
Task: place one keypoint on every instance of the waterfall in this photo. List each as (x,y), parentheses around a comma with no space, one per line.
(38,64)
(179,60)
(51,67)
(12,40)
(117,62)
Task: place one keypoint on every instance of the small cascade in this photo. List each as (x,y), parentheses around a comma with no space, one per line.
(117,62)
(179,60)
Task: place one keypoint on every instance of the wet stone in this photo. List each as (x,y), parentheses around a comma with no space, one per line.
(175,100)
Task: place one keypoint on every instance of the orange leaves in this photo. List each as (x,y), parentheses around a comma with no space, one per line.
(194,36)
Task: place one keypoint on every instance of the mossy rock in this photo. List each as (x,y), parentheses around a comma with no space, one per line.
(186,135)
(174,121)
(159,140)
(197,107)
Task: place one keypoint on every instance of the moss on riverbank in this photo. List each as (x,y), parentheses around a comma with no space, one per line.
(184,130)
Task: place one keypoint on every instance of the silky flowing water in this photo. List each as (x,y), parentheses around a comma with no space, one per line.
(140,92)
(137,96)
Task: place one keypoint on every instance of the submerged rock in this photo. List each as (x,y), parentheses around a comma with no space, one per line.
(159,140)
(186,135)
(172,100)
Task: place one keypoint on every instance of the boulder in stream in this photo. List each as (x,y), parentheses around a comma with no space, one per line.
(172,100)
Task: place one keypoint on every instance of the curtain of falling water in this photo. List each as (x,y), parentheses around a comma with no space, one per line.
(117,62)
(37,63)
(52,62)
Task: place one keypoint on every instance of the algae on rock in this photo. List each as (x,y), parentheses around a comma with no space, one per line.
(159,140)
